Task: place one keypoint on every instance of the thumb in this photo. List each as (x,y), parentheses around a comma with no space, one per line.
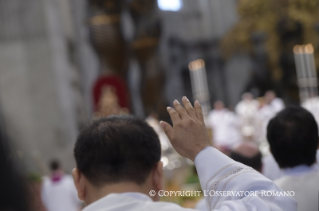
(167,129)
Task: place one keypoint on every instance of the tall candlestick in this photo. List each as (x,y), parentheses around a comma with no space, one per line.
(300,81)
(199,83)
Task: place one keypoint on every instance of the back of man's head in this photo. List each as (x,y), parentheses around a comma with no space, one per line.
(293,137)
(117,149)
(248,153)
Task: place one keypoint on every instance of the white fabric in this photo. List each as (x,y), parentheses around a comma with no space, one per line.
(270,168)
(303,180)
(277,104)
(201,205)
(225,127)
(61,195)
(216,172)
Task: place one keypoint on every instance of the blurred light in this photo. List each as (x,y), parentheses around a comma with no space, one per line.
(164,160)
(178,163)
(170,5)
(171,166)
(309,48)
(296,49)
(197,64)
(248,131)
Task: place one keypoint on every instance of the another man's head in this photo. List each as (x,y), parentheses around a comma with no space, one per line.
(247,96)
(270,96)
(247,153)
(293,137)
(219,105)
(54,165)
(117,154)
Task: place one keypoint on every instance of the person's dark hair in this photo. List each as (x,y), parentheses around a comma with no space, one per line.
(255,162)
(117,149)
(54,165)
(293,137)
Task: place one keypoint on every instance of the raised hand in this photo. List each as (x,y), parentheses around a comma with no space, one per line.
(188,134)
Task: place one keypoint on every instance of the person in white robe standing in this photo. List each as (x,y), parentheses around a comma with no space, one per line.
(270,107)
(119,167)
(247,110)
(225,126)
(293,139)
(58,191)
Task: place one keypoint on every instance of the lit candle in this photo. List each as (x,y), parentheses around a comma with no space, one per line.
(297,56)
(199,83)
(312,70)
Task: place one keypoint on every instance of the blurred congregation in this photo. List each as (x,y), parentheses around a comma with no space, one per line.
(251,65)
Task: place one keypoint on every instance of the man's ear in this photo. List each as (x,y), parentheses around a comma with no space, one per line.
(158,176)
(79,183)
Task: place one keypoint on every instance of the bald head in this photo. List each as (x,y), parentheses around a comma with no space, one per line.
(247,96)
(219,105)
(269,96)
(248,154)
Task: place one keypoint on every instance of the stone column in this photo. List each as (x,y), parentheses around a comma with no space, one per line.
(36,83)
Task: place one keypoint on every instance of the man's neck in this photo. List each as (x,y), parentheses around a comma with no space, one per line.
(98,193)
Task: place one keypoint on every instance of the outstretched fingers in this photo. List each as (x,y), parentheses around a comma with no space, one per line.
(167,129)
(180,109)
(199,112)
(189,108)
(175,117)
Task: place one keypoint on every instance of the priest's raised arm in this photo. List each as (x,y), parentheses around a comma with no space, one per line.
(227,185)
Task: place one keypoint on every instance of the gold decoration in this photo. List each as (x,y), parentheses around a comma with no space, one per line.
(104,19)
(264,16)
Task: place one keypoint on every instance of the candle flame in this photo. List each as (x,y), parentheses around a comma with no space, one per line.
(196,64)
(296,49)
(309,48)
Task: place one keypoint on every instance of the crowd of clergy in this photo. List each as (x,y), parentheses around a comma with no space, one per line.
(118,159)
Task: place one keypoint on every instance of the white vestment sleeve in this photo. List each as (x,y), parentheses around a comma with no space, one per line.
(248,189)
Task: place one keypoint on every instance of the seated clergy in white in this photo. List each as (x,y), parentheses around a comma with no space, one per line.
(293,140)
(118,165)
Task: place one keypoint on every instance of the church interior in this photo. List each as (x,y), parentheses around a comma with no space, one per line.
(65,63)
